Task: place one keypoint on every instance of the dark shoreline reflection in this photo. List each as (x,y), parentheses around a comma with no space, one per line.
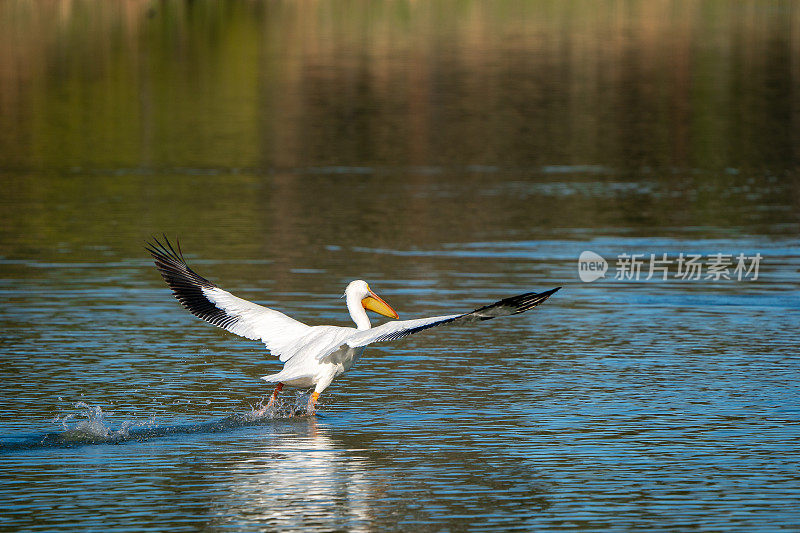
(666,84)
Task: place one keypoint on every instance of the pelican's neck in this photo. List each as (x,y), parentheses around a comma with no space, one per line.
(357,312)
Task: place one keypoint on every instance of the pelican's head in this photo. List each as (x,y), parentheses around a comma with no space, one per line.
(359,290)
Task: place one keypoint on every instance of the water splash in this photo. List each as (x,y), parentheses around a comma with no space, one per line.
(91,425)
(88,425)
(284,407)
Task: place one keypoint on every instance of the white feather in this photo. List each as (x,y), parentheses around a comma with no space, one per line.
(279,333)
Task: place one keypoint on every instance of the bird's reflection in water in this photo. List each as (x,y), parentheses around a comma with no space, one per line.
(299,479)
(305,474)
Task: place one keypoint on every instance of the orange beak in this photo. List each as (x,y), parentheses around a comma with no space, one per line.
(373,302)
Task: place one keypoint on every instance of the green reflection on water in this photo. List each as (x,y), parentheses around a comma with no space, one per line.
(260,85)
(279,127)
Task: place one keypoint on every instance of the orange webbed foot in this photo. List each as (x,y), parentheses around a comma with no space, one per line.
(312,402)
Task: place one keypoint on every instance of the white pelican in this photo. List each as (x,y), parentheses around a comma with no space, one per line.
(312,355)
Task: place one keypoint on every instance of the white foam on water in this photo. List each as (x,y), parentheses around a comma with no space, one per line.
(90,425)
(283,407)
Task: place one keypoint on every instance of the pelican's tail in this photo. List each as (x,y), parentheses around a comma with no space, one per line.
(292,377)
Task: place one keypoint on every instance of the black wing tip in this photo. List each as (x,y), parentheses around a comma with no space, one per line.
(164,250)
(547,294)
(186,284)
(513,305)
(172,266)
(532,299)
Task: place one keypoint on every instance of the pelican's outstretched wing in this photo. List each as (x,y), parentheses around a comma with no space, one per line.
(205,300)
(399,329)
